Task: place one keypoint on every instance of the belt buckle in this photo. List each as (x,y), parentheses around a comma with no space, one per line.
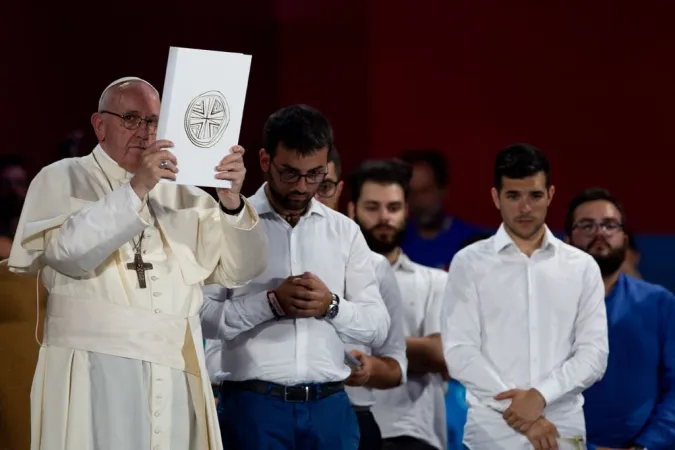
(287,390)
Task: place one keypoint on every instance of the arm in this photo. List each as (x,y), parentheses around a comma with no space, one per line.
(389,362)
(225,316)
(363,319)
(590,350)
(91,235)
(243,247)
(659,432)
(426,353)
(461,336)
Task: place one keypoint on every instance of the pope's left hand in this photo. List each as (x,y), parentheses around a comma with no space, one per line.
(526,407)
(231,168)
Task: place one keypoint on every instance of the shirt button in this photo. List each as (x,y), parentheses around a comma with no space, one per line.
(157,294)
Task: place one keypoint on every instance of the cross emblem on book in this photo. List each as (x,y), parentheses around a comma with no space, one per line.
(140,267)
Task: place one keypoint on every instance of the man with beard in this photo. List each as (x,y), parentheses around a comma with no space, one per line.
(284,334)
(411,416)
(432,236)
(633,406)
(524,324)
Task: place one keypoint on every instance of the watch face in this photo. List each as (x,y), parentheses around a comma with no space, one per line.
(332,311)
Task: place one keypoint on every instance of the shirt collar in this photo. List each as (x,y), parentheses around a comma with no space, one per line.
(502,239)
(262,204)
(403,262)
(110,168)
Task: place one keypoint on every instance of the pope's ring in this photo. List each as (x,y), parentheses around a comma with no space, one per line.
(163,165)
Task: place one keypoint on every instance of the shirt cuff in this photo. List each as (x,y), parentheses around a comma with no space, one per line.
(549,389)
(344,316)
(254,310)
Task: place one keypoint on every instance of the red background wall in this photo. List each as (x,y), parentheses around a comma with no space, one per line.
(591,83)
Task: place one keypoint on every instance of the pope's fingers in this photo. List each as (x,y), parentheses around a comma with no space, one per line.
(160,145)
(238,149)
(231,165)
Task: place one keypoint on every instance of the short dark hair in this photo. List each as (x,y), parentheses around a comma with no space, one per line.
(297,127)
(434,158)
(384,171)
(520,161)
(334,157)
(591,195)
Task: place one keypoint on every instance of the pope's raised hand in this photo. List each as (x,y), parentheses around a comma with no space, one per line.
(157,162)
(231,168)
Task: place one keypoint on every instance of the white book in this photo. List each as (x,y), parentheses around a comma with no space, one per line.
(202,109)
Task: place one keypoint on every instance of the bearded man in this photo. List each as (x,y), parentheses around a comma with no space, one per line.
(633,406)
(123,259)
(284,335)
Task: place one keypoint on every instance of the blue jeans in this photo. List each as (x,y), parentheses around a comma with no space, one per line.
(252,421)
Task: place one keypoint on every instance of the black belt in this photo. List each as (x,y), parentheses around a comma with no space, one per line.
(302,393)
(360,409)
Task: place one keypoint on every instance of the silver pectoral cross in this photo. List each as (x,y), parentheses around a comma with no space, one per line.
(140,267)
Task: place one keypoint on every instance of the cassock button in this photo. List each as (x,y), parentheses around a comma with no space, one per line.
(156,294)
(154,278)
(157,310)
(157,431)
(157,414)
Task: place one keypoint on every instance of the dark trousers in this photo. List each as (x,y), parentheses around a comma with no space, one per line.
(406,443)
(253,421)
(371,438)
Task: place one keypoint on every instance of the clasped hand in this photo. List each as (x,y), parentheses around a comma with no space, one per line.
(526,407)
(158,162)
(304,296)
(359,377)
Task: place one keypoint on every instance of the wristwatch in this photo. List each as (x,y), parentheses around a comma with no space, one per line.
(333,308)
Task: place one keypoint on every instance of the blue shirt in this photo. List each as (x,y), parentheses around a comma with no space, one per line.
(634,403)
(437,252)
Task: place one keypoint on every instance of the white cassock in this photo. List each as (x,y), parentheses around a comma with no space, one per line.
(120,367)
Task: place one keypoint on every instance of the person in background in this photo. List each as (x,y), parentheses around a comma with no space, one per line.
(411,416)
(631,264)
(383,367)
(13,188)
(524,327)
(633,406)
(432,237)
(284,334)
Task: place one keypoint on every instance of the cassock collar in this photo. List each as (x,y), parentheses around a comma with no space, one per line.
(110,167)
(262,204)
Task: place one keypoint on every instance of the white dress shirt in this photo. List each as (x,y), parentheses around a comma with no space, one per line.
(394,346)
(416,409)
(309,350)
(516,322)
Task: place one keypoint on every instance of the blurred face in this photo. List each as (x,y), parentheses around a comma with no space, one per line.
(330,189)
(125,138)
(381,212)
(293,179)
(523,204)
(14,182)
(598,230)
(425,200)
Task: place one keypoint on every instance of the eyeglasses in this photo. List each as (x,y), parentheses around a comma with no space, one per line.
(293,176)
(590,227)
(327,188)
(133,121)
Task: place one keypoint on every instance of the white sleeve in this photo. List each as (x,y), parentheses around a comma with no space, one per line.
(394,345)
(91,235)
(461,337)
(224,315)
(212,350)
(590,350)
(362,318)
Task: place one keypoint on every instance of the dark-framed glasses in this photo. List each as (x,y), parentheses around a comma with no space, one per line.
(291,176)
(327,188)
(133,121)
(590,227)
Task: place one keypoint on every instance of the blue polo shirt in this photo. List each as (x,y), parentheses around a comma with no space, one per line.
(634,403)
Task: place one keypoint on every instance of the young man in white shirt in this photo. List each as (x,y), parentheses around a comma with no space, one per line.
(524,320)
(411,416)
(284,333)
(382,367)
